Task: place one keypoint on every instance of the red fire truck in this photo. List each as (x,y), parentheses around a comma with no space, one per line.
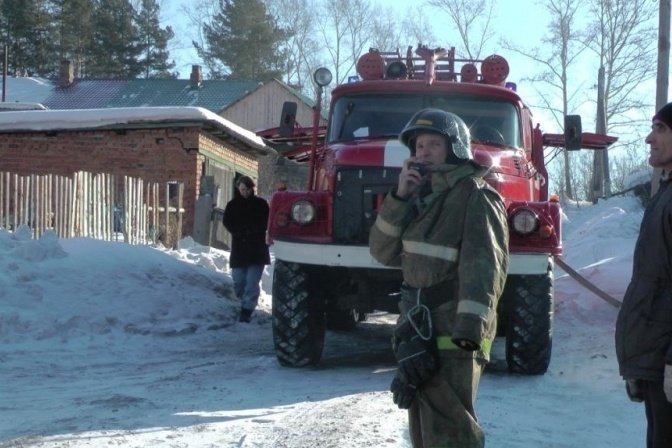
(324,276)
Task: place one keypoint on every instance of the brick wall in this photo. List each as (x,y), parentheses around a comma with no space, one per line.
(238,161)
(156,155)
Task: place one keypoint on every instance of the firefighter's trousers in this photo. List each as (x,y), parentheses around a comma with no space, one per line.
(442,416)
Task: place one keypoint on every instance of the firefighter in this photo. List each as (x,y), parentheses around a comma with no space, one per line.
(447,230)
(644,323)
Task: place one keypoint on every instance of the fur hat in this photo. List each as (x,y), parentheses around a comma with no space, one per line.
(665,115)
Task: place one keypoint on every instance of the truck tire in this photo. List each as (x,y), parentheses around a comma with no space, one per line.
(529,323)
(298,318)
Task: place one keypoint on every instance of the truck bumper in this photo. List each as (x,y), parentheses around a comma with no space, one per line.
(359,257)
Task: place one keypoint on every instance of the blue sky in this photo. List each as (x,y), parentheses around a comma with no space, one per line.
(511,14)
(522,22)
(516,15)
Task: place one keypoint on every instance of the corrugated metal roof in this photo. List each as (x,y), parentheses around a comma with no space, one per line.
(27,89)
(85,94)
(213,95)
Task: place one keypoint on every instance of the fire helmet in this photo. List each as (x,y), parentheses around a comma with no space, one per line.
(443,123)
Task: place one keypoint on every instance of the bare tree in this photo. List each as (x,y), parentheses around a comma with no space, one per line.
(346,33)
(472,19)
(200,13)
(302,46)
(629,162)
(386,34)
(418,29)
(624,41)
(561,48)
(389,33)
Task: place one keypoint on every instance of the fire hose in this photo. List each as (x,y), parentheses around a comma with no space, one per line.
(587,284)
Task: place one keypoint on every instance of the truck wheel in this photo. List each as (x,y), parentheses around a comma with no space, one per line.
(298,319)
(529,323)
(344,320)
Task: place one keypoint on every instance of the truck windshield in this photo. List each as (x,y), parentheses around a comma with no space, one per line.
(379,115)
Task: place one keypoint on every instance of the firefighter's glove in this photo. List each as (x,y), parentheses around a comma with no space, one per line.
(416,360)
(634,390)
(667,382)
(403,393)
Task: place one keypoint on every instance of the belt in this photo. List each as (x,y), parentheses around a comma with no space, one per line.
(431,296)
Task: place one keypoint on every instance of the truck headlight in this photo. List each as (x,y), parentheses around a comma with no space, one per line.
(303,212)
(524,221)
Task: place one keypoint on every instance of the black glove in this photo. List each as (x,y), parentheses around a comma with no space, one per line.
(416,360)
(634,390)
(403,393)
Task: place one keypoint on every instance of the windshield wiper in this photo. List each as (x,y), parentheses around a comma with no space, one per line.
(348,111)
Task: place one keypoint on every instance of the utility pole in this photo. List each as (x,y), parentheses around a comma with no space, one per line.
(602,129)
(663,72)
(600,162)
(4,72)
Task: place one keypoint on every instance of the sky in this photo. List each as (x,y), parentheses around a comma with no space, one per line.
(521,22)
(109,344)
(505,14)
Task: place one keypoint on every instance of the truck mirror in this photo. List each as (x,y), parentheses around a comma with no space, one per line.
(573,132)
(287,120)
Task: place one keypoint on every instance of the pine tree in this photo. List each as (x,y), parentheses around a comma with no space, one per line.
(28,33)
(154,41)
(72,19)
(115,48)
(245,40)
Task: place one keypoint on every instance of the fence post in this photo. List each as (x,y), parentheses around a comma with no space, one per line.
(16,201)
(34,205)
(180,210)
(126,217)
(84,205)
(2,199)
(70,205)
(167,215)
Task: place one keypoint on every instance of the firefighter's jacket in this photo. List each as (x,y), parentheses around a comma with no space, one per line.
(644,324)
(455,240)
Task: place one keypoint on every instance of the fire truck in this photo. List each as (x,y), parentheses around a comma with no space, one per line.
(325,278)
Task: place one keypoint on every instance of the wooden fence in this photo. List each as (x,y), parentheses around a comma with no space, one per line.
(100,206)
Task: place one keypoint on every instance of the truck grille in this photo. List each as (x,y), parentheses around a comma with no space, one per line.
(358,193)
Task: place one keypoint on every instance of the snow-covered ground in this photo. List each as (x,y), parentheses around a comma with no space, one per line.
(107,344)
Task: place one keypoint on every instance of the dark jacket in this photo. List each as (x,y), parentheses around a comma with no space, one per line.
(644,323)
(246,220)
(457,248)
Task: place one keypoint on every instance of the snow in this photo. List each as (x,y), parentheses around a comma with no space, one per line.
(103,343)
(21,106)
(27,89)
(54,120)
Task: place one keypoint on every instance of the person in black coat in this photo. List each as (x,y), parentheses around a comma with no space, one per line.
(644,323)
(246,218)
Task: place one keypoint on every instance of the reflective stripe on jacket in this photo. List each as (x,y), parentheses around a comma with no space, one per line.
(461,235)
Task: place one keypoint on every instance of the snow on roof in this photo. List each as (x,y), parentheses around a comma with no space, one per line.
(5,106)
(27,89)
(78,119)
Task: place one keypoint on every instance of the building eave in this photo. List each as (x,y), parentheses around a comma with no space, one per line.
(51,121)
